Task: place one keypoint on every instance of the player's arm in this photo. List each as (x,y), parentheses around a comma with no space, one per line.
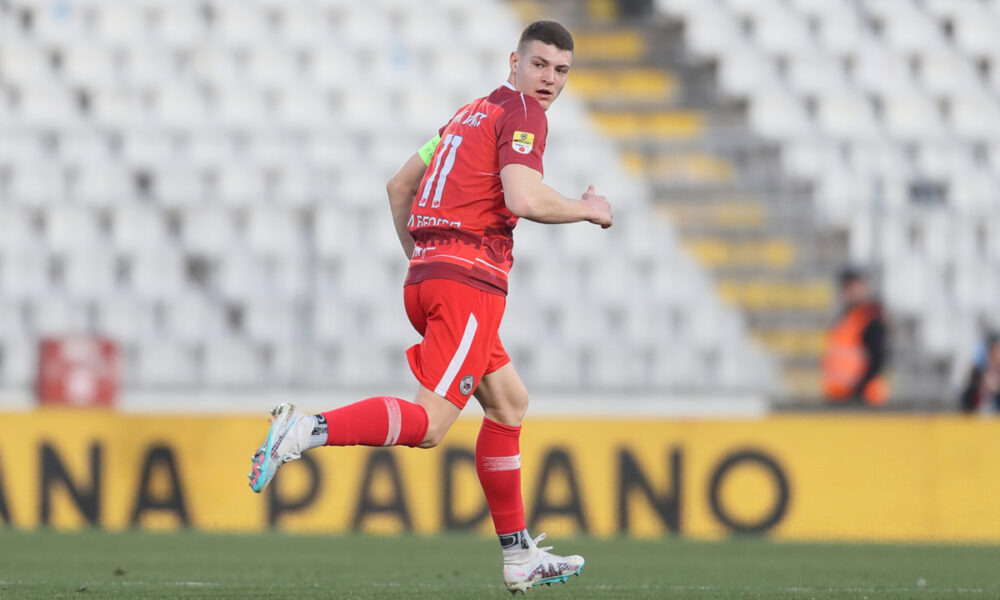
(402,189)
(527,197)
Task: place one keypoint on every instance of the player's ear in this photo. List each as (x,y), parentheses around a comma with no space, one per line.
(514,57)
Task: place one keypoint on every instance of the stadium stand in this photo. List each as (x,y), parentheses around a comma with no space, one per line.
(860,132)
(204,181)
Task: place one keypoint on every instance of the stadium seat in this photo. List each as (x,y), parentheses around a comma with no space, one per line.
(46,105)
(879,71)
(710,31)
(238,186)
(180,107)
(163,363)
(240,106)
(271,321)
(157,275)
(847,116)
(816,73)
(25,273)
(240,276)
(58,315)
(58,22)
(780,32)
(26,65)
(193,319)
(17,230)
(178,25)
(19,362)
(745,71)
(946,74)
(910,117)
(232,362)
(91,275)
(138,228)
(906,29)
(121,23)
(70,229)
(841,30)
(975,29)
(274,232)
(126,319)
(779,115)
(976,117)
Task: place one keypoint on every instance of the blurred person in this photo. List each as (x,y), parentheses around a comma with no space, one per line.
(856,351)
(982,390)
(455,221)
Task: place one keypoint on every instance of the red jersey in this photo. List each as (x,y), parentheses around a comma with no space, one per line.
(460,223)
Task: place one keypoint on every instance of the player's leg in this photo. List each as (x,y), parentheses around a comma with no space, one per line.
(498,456)
(448,361)
(498,463)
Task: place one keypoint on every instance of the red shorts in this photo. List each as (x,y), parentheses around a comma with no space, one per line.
(461,343)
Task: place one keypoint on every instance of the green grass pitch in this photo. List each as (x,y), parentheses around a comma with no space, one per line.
(47,564)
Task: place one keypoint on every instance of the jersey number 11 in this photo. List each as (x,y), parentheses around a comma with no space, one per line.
(451,143)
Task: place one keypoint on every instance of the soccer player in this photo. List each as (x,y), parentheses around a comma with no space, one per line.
(454,205)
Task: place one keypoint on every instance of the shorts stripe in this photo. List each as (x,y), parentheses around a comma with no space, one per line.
(395,421)
(456,361)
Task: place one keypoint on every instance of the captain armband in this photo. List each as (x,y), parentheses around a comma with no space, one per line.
(427,151)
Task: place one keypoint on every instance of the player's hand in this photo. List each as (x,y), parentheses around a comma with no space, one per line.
(599,208)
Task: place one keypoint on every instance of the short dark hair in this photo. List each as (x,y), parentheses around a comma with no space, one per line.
(547,32)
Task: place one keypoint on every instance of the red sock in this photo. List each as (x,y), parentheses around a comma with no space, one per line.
(498,463)
(379,421)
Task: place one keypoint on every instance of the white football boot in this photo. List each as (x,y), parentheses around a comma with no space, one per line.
(284,443)
(523,569)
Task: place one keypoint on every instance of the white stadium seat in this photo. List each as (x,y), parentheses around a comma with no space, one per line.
(91,275)
(816,73)
(156,275)
(710,31)
(70,229)
(25,274)
(58,315)
(746,71)
(126,319)
(779,115)
(166,364)
(847,116)
(138,228)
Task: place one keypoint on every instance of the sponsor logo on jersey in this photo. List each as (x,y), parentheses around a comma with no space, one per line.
(466,385)
(416,221)
(474,119)
(523,142)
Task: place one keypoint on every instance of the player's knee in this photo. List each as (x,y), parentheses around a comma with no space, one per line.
(435,435)
(431,441)
(510,409)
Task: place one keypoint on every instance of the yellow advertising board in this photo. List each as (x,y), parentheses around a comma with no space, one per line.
(790,477)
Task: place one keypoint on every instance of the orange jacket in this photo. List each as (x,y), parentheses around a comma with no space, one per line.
(846,359)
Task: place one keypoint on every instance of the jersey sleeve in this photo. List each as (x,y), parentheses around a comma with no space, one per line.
(521,131)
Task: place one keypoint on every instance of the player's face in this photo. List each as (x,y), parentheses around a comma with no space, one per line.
(540,71)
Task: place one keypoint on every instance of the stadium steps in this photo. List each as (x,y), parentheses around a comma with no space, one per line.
(722,187)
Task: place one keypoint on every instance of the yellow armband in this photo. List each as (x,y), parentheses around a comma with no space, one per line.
(427,151)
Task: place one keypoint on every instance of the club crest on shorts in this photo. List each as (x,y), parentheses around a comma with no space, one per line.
(466,385)
(523,142)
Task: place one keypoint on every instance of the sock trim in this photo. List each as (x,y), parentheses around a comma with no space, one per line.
(395,421)
(501,463)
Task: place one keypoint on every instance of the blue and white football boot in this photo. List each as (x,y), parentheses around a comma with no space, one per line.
(283,444)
